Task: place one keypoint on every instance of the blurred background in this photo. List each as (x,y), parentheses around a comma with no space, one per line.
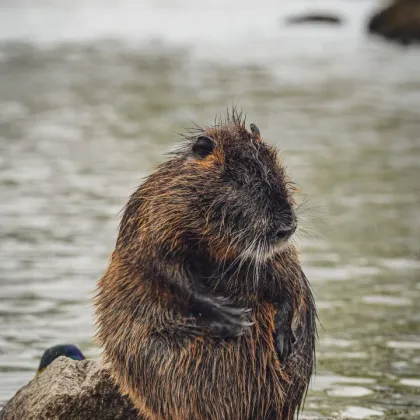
(93,93)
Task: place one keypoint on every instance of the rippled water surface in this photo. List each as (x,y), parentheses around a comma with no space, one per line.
(92,98)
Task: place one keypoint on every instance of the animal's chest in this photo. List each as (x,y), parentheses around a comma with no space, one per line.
(252,356)
(246,369)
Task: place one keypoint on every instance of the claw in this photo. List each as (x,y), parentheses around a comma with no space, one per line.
(280,347)
(233,311)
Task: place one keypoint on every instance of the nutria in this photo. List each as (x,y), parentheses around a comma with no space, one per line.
(204,311)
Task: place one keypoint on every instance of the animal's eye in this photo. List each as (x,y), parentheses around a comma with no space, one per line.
(203,146)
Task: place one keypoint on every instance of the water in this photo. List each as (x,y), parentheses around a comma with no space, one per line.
(90,100)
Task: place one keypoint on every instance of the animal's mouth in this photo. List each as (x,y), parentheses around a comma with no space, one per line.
(279,239)
(270,245)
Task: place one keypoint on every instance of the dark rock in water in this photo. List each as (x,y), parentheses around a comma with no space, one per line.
(314,18)
(398,22)
(70,390)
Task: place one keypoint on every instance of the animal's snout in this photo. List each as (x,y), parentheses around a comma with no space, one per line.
(285,224)
(285,232)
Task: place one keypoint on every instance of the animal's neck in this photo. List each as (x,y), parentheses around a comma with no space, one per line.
(247,280)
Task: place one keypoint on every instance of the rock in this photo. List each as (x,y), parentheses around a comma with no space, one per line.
(399,22)
(70,390)
(314,18)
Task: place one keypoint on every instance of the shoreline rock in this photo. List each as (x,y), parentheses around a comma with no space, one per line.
(70,390)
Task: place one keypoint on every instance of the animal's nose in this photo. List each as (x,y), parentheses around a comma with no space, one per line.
(285,223)
(286,231)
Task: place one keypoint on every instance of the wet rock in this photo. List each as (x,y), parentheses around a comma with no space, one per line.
(398,22)
(70,390)
(314,18)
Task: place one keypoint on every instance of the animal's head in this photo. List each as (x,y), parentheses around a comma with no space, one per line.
(226,189)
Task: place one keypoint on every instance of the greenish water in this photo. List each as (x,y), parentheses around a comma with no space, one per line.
(81,122)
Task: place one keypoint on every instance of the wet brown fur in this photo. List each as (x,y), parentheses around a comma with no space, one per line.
(170,370)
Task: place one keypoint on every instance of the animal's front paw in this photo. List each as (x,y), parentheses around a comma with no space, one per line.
(285,339)
(223,319)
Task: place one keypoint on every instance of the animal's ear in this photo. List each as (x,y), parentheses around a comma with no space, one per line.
(203,146)
(255,130)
